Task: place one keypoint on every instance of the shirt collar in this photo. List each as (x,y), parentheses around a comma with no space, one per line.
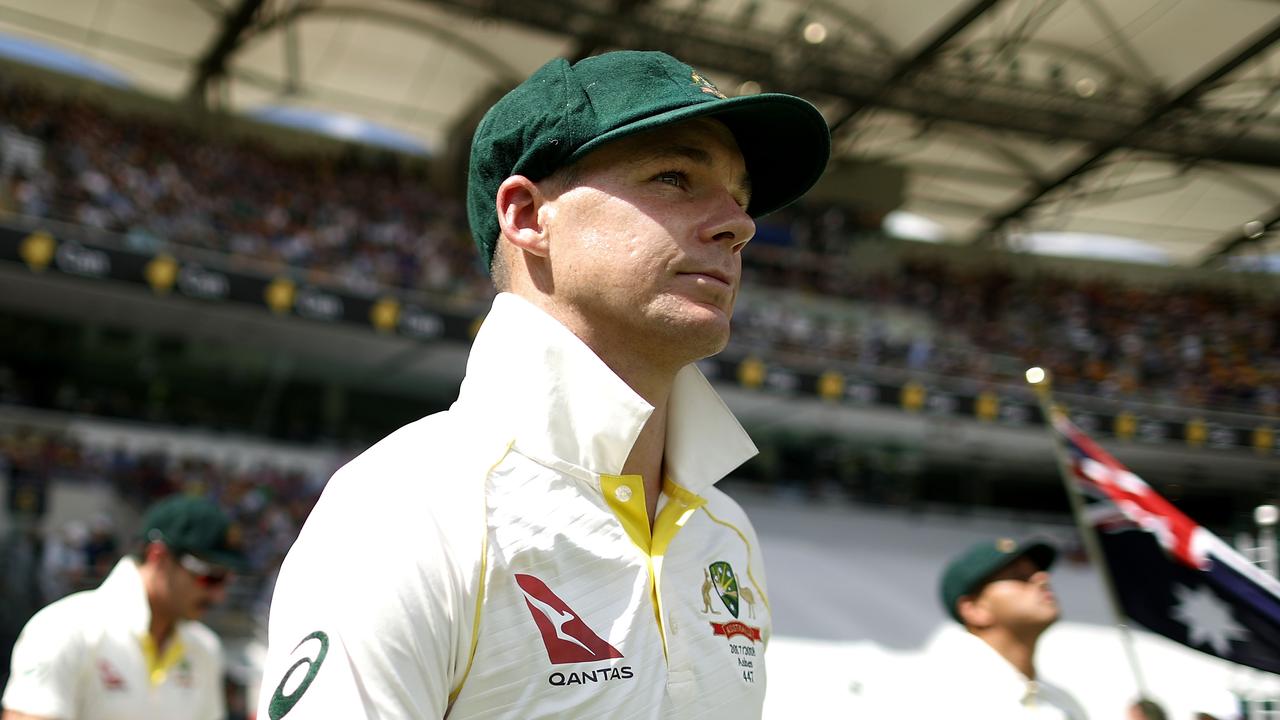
(541,385)
(128,599)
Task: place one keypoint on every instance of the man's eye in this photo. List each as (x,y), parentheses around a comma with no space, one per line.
(672,177)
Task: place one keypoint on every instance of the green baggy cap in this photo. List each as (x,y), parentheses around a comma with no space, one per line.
(194,525)
(969,569)
(563,112)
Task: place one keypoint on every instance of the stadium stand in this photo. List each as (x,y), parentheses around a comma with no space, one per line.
(366,229)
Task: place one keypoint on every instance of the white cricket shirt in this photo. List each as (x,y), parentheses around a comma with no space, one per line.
(85,657)
(490,561)
(971,681)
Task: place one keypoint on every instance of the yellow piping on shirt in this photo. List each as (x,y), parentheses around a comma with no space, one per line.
(484,574)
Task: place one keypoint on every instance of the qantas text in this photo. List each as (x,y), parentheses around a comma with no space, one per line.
(590,676)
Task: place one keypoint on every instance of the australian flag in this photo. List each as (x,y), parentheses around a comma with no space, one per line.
(1171,575)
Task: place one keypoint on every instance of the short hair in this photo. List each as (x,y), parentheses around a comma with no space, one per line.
(499,273)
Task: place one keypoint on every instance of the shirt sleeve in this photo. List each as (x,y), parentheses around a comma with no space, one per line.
(367,621)
(45,673)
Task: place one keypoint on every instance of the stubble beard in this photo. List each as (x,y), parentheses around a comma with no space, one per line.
(663,335)
(688,334)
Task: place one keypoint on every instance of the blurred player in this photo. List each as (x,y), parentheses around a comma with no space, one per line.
(133,648)
(553,545)
(999,591)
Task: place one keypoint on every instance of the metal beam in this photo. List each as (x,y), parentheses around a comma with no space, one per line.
(1121,43)
(858,78)
(73,35)
(490,59)
(944,171)
(213,61)
(1183,99)
(1234,241)
(950,207)
(920,57)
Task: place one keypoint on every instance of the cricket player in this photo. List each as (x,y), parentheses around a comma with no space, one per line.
(133,648)
(553,545)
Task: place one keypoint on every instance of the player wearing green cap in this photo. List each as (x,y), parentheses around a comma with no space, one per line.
(999,591)
(553,544)
(133,649)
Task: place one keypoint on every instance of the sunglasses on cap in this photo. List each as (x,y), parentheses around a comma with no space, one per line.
(207,574)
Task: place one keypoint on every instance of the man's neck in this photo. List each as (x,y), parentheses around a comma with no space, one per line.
(1019,651)
(161,626)
(161,630)
(647,456)
(653,381)
(651,374)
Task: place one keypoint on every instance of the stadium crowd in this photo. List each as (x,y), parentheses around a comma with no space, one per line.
(42,560)
(267,503)
(160,183)
(365,226)
(1188,346)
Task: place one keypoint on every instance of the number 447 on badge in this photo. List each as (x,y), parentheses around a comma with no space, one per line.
(749,675)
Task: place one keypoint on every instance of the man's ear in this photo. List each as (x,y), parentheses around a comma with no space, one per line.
(972,612)
(520,219)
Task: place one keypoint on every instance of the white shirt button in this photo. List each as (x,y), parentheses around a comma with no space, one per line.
(623,493)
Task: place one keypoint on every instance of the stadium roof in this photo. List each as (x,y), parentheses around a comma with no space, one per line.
(1155,120)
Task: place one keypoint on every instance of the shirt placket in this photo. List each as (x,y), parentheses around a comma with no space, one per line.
(625,496)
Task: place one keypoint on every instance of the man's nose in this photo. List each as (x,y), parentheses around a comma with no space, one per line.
(729,223)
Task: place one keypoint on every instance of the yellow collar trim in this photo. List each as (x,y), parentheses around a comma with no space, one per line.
(159,665)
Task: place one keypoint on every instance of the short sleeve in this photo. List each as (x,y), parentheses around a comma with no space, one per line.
(357,640)
(370,614)
(45,673)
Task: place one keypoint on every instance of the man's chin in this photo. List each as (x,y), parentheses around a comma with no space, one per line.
(710,337)
(693,330)
(711,318)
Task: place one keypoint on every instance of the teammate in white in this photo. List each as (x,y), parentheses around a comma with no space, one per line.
(132,649)
(540,550)
(999,591)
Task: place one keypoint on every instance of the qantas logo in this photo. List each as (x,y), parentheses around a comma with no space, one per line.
(111,679)
(566,636)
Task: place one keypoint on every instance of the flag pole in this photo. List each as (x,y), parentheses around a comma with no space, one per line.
(1040,381)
